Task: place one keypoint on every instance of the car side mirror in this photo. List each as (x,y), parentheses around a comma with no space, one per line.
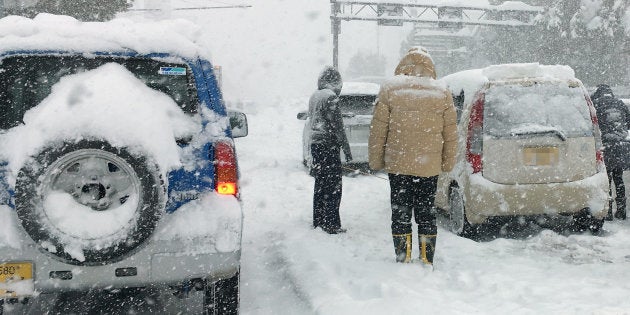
(238,124)
(302,115)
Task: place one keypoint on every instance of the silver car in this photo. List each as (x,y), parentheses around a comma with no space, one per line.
(357,105)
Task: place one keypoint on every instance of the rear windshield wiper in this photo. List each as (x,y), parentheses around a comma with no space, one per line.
(556,132)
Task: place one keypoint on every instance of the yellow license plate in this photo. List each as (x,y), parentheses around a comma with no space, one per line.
(16,271)
(540,156)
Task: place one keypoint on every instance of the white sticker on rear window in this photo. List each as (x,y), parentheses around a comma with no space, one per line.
(172,71)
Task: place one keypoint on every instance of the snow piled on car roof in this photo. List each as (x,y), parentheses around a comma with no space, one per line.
(47,32)
(470,81)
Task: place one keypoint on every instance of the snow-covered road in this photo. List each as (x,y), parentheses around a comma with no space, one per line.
(289,268)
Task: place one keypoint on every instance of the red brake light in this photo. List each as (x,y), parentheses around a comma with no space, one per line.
(226,173)
(474,139)
(599,151)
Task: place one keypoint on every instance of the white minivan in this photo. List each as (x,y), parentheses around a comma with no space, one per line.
(529,146)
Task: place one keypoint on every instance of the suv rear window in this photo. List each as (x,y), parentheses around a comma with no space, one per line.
(357,104)
(26,80)
(549,107)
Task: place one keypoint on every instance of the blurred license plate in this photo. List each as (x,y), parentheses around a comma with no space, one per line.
(540,156)
(16,271)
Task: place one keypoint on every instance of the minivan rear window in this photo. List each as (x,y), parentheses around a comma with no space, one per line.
(536,108)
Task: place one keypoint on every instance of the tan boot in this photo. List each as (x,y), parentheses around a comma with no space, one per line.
(402,247)
(427,248)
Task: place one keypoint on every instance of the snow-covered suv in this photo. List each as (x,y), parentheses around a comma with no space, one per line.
(117,161)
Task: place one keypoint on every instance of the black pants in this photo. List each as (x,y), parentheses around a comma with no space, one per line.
(413,194)
(615,176)
(327,194)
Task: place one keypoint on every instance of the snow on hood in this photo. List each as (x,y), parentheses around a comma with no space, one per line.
(107,103)
(354,88)
(52,32)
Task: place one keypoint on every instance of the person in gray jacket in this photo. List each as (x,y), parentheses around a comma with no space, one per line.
(327,138)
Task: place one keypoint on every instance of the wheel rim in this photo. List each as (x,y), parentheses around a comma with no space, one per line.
(457,210)
(97,182)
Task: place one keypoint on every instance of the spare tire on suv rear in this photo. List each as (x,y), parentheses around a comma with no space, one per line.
(87,202)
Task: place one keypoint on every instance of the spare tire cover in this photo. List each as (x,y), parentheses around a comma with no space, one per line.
(88,202)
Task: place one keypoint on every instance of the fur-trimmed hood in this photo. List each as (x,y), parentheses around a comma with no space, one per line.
(418,63)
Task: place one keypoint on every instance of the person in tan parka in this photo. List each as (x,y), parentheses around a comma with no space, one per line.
(413,137)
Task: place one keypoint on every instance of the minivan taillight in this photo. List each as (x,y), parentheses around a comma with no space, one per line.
(226,172)
(474,139)
(599,146)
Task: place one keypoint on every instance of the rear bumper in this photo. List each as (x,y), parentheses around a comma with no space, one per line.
(486,199)
(147,267)
(202,239)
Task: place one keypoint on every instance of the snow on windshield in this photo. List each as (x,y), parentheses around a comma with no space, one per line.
(519,109)
(108,103)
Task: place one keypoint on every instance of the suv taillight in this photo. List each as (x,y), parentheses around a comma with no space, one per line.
(474,139)
(599,146)
(226,172)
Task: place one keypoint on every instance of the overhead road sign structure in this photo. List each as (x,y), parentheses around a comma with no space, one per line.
(391,13)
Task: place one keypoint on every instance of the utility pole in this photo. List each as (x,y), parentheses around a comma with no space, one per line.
(336,30)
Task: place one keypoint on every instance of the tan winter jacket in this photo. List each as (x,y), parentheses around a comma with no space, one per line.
(414,129)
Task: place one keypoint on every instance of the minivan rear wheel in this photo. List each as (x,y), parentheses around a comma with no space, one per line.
(458,223)
(584,220)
